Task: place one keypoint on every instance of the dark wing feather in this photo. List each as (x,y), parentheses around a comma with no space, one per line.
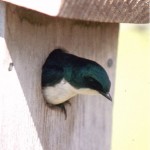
(51,75)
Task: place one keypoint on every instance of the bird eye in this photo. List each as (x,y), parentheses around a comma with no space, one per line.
(90,79)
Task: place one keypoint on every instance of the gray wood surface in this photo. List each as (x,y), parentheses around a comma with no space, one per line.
(26,123)
(119,11)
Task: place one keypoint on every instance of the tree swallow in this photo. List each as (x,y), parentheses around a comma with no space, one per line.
(65,75)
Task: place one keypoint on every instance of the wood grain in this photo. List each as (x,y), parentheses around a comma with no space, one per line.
(124,11)
(26,122)
(115,11)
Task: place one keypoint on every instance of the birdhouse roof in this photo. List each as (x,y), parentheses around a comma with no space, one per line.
(115,11)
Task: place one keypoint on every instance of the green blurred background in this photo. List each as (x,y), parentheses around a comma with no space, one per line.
(131,110)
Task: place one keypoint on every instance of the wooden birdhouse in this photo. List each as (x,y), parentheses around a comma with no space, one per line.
(29,31)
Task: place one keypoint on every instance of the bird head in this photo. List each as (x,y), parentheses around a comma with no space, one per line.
(92,76)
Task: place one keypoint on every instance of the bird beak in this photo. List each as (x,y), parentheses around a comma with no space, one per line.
(107,95)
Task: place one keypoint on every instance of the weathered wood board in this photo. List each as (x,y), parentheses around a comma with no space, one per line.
(115,11)
(26,123)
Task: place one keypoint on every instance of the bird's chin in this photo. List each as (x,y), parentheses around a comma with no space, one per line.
(107,95)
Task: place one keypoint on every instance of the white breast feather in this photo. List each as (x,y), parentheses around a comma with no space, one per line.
(63,91)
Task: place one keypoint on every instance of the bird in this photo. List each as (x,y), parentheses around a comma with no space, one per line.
(65,75)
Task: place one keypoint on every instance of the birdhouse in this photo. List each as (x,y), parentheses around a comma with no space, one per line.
(29,31)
